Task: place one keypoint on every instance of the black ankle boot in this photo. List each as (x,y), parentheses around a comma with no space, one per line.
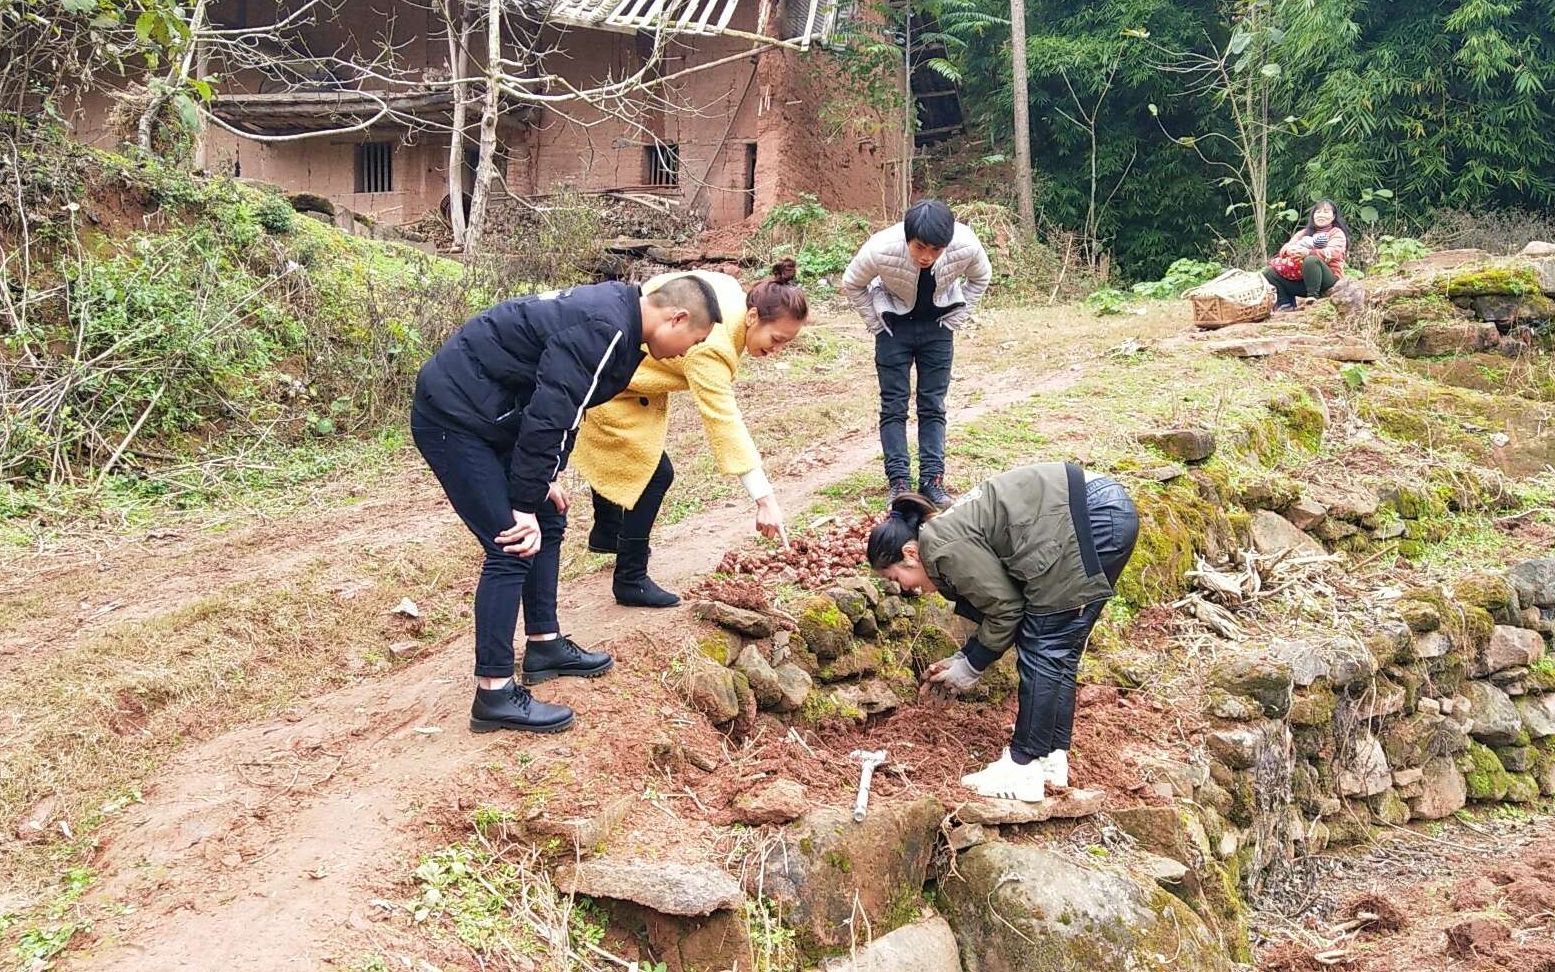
(560,658)
(933,490)
(632,585)
(512,707)
(604,536)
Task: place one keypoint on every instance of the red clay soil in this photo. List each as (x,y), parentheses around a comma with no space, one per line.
(1498,918)
(933,742)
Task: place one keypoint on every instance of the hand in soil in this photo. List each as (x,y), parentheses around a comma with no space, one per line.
(934,694)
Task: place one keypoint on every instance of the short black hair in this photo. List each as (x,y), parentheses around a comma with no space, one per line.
(930,222)
(693,295)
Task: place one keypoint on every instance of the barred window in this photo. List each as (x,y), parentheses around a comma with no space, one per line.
(375,167)
(661,164)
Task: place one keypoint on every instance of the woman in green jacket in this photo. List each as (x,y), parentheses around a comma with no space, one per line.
(1032,556)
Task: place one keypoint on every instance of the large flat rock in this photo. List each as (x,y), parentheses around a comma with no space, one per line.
(668,888)
(925,946)
(1069,805)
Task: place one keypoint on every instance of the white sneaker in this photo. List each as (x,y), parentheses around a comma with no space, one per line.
(1007,780)
(1056,767)
(971,780)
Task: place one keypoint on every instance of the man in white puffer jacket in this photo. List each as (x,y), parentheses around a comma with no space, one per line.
(915,284)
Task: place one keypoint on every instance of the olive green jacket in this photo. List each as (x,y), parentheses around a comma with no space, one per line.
(1009,548)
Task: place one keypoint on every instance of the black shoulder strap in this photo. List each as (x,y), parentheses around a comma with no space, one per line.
(1079,512)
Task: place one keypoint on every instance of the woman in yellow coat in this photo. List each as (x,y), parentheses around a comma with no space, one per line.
(620,450)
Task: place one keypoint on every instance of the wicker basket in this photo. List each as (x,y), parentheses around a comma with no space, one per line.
(1234,297)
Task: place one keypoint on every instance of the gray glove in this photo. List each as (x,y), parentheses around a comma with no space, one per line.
(955,673)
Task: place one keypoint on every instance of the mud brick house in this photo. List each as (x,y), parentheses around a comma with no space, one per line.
(733,140)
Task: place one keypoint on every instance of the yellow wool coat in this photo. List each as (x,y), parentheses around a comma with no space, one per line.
(620,442)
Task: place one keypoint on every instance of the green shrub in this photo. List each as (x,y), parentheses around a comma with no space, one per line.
(1395,251)
(1108,300)
(275,214)
(1181,276)
(820,241)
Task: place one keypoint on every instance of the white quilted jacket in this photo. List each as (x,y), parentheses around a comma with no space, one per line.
(883,277)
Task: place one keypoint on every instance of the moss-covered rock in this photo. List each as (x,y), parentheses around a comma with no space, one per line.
(1517,279)
(1516,759)
(1314,706)
(1351,825)
(1484,776)
(829,871)
(864,658)
(826,630)
(1420,614)
(721,646)
(1257,676)
(849,602)
(1269,491)
(1411,740)
(1024,908)
(1389,809)
(1489,590)
(1176,521)
(1522,788)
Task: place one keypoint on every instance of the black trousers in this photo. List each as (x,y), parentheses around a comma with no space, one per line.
(637,522)
(474,474)
(1048,646)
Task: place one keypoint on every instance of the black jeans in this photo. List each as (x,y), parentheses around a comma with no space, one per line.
(1317,279)
(1048,646)
(474,474)
(637,522)
(930,347)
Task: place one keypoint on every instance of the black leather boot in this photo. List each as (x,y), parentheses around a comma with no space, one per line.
(560,658)
(933,490)
(512,707)
(632,585)
(605,535)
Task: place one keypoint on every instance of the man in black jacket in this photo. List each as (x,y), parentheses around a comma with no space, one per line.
(496,415)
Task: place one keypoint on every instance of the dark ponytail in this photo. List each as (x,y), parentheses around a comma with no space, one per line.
(900,527)
(778,296)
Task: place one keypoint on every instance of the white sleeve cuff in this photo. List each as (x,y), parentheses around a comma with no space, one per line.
(756,484)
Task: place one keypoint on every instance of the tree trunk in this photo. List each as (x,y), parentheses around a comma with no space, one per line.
(177,78)
(486,169)
(1027,209)
(909,116)
(459,63)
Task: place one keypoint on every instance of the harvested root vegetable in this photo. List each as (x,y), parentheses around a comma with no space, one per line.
(810,561)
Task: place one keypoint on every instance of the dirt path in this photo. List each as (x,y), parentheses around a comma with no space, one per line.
(259,848)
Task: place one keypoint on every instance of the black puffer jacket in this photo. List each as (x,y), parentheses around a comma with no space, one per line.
(521,374)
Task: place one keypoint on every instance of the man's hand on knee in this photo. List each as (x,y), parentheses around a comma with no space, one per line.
(522,539)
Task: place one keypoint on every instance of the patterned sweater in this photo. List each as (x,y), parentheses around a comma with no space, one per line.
(1333,254)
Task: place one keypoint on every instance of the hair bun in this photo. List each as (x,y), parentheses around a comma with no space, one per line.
(784,271)
(913,509)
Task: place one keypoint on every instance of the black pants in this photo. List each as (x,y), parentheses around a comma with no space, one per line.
(637,522)
(1317,279)
(1048,646)
(930,347)
(474,474)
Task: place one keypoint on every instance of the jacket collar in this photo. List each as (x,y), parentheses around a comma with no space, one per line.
(634,316)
